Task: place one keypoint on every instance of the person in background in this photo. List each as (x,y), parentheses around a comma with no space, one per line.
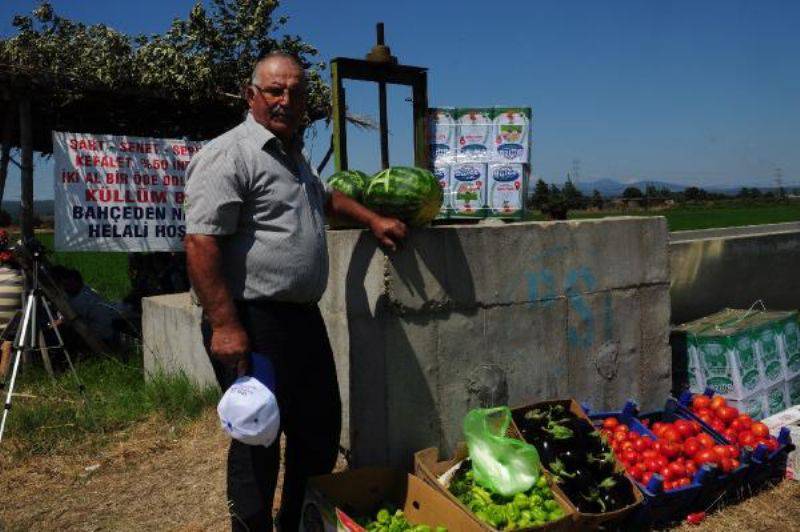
(11,294)
(101,315)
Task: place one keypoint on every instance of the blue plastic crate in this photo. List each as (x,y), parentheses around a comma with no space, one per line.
(660,506)
(764,468)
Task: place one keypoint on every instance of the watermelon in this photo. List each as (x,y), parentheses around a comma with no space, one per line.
(410,194)
(350,183)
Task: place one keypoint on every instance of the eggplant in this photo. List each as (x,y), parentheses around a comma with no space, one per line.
(616,488)
(601,464)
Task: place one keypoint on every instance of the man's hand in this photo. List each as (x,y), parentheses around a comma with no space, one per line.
(230,345)
(388,231)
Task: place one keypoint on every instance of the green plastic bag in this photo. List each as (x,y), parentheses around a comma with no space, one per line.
(502,464)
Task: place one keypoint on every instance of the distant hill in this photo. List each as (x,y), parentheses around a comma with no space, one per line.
(42,208)
(612,188)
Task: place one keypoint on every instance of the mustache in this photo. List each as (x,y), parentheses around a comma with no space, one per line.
(281,111)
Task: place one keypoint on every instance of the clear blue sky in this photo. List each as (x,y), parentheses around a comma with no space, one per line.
(691,92)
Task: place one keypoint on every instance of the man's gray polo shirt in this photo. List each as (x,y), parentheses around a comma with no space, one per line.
(268,207)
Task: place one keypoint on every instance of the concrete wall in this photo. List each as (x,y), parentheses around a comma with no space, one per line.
(493,314)
(734,267)
(171,338)
(468,316)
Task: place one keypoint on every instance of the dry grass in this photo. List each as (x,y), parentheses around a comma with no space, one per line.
(150,478)
(154,478)
(777,509)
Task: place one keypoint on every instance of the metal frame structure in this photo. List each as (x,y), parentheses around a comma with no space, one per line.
(382,68)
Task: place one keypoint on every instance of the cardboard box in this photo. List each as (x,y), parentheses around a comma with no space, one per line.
(430,468)
(333,502)
(788,418)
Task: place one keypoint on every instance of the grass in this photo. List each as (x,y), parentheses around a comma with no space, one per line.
(50,416)
(729,213)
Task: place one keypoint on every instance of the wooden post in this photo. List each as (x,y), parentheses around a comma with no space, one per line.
(5,151)
(420,97)
(339,119)
(26,143)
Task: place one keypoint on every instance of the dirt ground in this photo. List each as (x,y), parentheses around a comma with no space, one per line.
(150,479)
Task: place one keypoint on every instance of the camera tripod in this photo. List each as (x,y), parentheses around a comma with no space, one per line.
(28,336)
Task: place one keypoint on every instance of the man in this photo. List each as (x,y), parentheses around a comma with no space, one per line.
(257,261)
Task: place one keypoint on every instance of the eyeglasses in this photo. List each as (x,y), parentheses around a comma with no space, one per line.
(277,92)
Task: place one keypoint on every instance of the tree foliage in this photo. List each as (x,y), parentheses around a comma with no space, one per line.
(209,55)
(632,193)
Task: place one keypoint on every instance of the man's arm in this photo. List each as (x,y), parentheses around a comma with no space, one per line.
(388,231)
(229,342)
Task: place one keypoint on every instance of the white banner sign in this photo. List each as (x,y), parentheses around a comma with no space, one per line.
(119,193)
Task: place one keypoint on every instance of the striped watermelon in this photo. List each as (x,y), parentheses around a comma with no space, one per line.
(350,183)
(411,194)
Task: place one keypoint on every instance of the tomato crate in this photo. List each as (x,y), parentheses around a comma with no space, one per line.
(660,506)
(764,467)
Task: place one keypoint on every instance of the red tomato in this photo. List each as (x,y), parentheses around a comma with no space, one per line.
(651,465)
(718,402)
(726,464)
(705,440)
(700,401)
(649,453)
(695,518)
(657,425)
(662,462)
(735,463)
(630,456)
(730,435)
(691,446)
(626,445)
(705,456)
(621,428)
(696,427)
(638,471)
(672,434)
(658,446)
(646,423)
(620,436)
(772,444)
(759,430)
(717,425)
(721,450)
(642,444)
(684,428)
(610,422)
(707,419)
(705,412)
(691,468)
(727,414)
(677,470)
(733,451)
(670,449)
(667,485)
(660,430)
(647,476)
(745,421)
(685,481)
(747,439)
(735,425)
(666,473)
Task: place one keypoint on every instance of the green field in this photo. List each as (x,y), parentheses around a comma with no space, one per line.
(687,217)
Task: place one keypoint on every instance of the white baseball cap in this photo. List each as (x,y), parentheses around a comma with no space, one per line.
(248,410)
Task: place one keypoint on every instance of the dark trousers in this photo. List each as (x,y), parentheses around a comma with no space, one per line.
(295,339)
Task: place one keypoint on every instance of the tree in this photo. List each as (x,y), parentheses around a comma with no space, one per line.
(573,197)
(695,194)
(597,199)
(632,193)
(556,207)
(207,56)
(541,194)
(651,192)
